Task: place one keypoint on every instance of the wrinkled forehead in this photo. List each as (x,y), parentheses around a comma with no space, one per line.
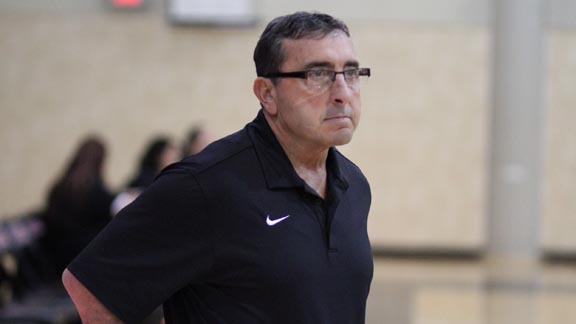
(334,49)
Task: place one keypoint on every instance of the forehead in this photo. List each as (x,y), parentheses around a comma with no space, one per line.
(335,49)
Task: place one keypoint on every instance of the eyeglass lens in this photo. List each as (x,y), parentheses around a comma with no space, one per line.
(324,78)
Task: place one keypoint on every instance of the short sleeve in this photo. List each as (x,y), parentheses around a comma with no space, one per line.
(154,247)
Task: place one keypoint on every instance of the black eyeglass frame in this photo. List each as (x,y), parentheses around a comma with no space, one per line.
(304,74)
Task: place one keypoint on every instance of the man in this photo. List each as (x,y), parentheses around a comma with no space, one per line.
(267,225)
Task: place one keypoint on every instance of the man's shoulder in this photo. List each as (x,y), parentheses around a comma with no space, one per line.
(215,154)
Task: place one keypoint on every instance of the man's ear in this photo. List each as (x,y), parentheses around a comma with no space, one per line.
(265,91)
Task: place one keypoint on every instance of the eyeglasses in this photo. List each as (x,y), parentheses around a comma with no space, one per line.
(321,79)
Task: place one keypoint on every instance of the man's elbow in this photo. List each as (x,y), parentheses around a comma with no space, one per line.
(67,278)
(90,309)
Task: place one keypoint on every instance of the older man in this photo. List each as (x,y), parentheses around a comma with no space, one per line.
(267,225)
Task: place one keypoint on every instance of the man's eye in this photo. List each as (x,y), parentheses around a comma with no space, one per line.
(351,73)
(317,73)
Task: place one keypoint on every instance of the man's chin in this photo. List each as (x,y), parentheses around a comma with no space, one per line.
(342,138)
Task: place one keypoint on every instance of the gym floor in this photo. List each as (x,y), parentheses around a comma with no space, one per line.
(412,291)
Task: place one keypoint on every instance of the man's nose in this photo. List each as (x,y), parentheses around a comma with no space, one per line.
(340,90)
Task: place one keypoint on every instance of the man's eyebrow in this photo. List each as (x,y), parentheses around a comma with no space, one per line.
(352,64)
(313,65)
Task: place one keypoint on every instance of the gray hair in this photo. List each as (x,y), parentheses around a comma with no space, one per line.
(268,54)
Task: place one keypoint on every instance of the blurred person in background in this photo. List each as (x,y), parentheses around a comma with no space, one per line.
(158,154)
(78,204)
(196,140)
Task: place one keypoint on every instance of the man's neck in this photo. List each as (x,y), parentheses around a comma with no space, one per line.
(308,162)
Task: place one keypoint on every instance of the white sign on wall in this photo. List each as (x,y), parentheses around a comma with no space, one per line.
(227,12)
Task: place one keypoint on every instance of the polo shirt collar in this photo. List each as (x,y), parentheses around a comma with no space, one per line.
(277,168)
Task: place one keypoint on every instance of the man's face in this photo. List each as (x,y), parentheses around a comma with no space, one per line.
(313,118)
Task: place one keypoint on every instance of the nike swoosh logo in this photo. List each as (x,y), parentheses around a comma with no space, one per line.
(272,222)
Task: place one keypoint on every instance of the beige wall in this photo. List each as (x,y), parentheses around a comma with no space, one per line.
(126,78)
(422,140)
(559,210)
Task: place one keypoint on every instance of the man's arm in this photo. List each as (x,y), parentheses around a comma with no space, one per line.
(89,308)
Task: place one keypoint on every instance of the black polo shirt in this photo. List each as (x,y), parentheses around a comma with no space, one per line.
(234,235)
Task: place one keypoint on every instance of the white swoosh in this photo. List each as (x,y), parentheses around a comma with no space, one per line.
(271,222)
